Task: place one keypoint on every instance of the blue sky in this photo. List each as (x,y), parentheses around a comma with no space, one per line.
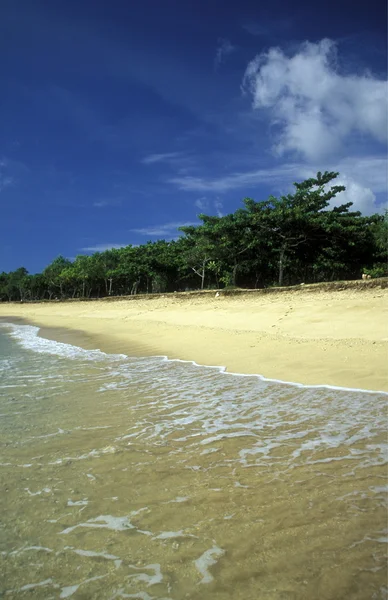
(120,121)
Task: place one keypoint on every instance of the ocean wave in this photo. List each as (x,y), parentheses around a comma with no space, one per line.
(28,337)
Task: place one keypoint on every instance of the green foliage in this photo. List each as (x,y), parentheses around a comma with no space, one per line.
(380,235)
(295,238)
(377,271)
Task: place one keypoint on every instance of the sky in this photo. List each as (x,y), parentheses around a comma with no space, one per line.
(121,121)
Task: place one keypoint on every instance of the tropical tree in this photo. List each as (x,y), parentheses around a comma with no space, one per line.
(52,275)
(285,240)
(289,221)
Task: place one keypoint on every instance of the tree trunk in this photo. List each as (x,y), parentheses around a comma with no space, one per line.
(281,263)
(110,286)
(234,273)
(203,274)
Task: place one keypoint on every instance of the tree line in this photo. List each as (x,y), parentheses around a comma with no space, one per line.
(279,241)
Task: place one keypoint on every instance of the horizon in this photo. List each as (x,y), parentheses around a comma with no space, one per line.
(122,123)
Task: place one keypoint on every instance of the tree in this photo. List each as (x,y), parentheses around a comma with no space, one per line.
(52,274)
(109,262)
(197,250)
(288,222)
(70,281)
(293,238)
(380,236)
(15,284)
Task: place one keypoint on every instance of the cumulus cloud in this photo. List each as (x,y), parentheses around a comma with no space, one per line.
(223,50)
(362,197)
(314,109)
(371,171)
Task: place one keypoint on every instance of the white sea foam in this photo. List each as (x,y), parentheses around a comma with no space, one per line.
(178,499)
(27,336)
(32,586)
(69,590)
(31,548)
(199,406)
(207,560)
(39,492)
(78,502)
(109,522)
(92,554)
(168,535)
(156,577)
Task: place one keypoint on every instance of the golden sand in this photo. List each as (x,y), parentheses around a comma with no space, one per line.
(311,336)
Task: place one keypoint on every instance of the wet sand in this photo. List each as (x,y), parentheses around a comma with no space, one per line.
(319,337)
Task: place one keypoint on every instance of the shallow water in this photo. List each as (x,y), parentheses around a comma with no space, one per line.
(146,478)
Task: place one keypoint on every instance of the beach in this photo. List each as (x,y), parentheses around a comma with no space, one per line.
(125,474)
(313,335)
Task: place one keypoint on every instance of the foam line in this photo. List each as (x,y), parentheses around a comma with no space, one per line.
(27,336)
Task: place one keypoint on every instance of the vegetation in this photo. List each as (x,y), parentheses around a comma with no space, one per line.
(280,241)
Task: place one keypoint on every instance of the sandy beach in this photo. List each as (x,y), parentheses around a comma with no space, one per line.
(313,336)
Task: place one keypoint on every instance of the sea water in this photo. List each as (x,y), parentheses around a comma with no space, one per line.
(146,478)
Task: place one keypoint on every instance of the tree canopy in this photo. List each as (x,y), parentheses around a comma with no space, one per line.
(299,237)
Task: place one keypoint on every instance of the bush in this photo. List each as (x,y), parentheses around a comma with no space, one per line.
(378,270)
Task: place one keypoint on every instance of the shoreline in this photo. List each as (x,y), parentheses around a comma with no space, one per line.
(336,339)
(82,340)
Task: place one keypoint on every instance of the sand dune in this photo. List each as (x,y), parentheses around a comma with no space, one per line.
(313,337)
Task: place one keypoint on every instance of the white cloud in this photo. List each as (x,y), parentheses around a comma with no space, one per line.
(364,177)
(237,180)
(313,107)
(167,229)
(224,49)
(157,158)
(372,171)
(218,205)
(362,197)
(202,203)
(103,247)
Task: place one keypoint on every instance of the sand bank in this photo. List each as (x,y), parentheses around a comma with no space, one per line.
(307,336)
